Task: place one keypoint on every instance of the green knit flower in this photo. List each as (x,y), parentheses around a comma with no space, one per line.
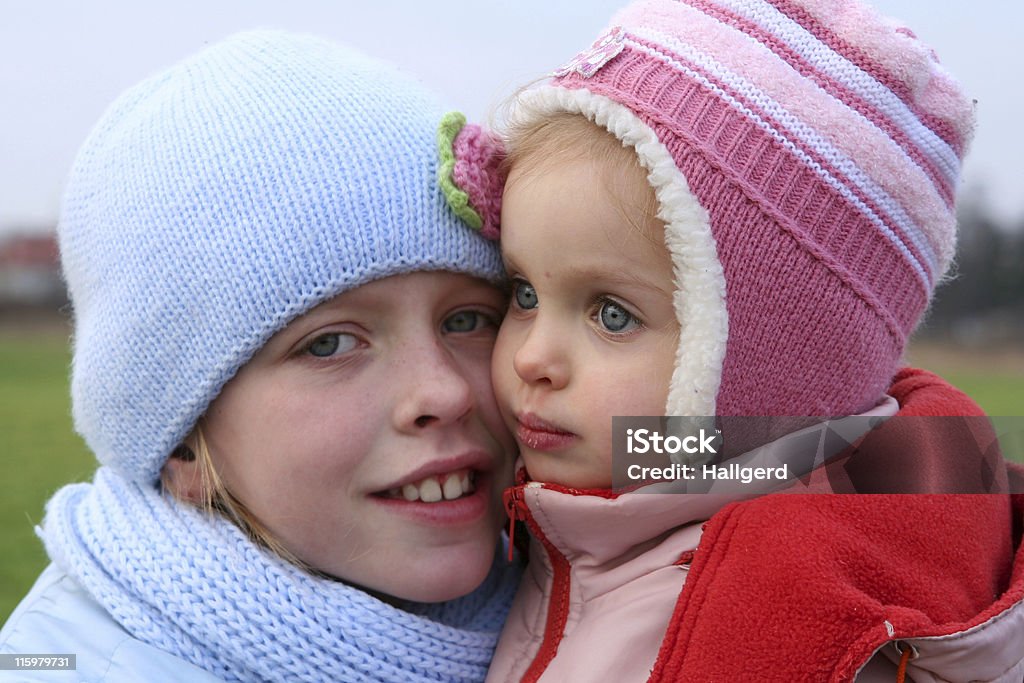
(447,130)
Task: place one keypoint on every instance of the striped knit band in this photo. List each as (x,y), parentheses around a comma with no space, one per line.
(824,142)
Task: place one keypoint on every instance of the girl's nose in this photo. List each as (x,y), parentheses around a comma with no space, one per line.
(432,390)
(542,359)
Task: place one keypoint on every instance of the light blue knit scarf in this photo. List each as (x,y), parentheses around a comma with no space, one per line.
(194,586)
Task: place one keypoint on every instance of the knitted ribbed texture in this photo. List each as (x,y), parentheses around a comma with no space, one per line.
(216,201)
(195,586)
(824,143)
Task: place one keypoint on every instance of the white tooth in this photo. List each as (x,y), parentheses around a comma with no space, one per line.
(410,492)
(467,486)
(430,490)
(452,487)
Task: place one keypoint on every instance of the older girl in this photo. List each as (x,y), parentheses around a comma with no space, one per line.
(281,361)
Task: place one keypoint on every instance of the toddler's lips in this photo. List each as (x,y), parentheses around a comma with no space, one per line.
(540,435)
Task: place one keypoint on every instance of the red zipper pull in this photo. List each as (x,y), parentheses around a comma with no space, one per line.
(513,500)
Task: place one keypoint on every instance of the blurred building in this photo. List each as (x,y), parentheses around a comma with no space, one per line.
(30,272)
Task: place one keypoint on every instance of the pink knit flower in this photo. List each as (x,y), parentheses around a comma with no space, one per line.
(469,175)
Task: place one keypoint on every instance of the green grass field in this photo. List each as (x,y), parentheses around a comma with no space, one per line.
(41,452)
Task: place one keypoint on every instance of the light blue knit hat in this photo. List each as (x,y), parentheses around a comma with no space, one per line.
(218,200)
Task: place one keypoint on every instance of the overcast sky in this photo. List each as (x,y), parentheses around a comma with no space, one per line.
(63,61)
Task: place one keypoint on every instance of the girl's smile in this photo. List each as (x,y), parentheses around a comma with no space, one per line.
(450,491)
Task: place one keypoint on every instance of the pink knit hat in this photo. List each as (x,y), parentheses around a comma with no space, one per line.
(805,156)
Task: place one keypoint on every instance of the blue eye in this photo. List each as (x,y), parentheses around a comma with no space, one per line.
(615,318)
(525,295)
(466,321)
(327,345)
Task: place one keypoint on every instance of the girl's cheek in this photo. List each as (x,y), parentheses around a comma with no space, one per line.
(505,342)
(501,362)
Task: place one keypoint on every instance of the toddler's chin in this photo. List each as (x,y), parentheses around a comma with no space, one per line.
(549,469)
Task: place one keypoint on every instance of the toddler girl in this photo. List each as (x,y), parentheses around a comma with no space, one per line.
(740,208)
(282,363)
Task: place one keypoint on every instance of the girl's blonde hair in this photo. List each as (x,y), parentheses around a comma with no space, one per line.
(562,135)
(533,140)
(215,498)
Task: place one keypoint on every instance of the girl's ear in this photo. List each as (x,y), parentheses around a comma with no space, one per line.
(182,476)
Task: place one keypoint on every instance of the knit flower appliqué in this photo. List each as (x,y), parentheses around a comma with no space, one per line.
(604,49)
(468,173)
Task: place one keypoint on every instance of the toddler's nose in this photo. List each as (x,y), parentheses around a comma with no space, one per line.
(543,358)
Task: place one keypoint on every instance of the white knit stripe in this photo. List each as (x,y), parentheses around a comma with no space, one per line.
(838,68)
(811,139)
(699,298)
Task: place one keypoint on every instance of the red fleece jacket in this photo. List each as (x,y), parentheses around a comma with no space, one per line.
(808,587)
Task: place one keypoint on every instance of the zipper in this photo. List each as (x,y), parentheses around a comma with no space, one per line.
(517,511)
(558,604)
